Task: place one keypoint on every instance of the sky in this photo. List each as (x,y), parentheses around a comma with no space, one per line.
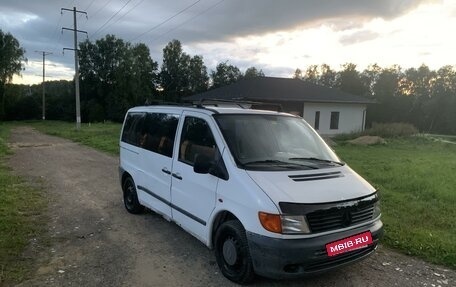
(275,36)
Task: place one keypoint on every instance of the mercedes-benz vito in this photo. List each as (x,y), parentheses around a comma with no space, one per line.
(260,188)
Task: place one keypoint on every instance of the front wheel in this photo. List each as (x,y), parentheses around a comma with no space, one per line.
(232,252)
(130,197)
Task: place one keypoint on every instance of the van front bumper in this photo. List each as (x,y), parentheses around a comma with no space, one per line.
(291,258)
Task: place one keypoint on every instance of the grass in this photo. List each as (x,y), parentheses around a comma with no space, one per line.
(102,136)
(415,176)
(445,138)
(416,179)
(21,219)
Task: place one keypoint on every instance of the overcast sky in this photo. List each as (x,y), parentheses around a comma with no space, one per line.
(276,36)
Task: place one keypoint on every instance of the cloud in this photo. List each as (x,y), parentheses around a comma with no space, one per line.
(358,37)
(37,24)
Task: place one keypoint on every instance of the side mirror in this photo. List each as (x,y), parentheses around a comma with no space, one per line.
(203,164)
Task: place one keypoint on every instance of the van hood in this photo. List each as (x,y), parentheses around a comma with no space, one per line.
(315,186)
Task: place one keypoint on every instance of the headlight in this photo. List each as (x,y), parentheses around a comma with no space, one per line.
(293,224)
(377,211)
(285,224)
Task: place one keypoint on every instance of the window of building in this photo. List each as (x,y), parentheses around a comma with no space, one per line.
(317,120)
(334,125)
(196,139)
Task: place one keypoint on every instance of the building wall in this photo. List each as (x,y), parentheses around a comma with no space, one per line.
(352,117)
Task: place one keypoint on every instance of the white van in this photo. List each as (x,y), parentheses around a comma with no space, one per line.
(261,188)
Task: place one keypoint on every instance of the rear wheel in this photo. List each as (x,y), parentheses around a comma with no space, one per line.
(130,197)
(232,252)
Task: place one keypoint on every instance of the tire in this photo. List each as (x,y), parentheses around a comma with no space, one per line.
(130,197)
(232,252)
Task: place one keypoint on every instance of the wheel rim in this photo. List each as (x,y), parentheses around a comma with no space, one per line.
(229,251)
(129,194)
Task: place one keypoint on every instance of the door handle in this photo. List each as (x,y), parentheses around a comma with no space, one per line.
(177,175)
(165,170)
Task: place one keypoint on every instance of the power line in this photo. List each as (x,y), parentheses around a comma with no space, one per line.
(87,8)
(190,19)
(131,9)
(101,8)
(165,21)
(125,14)
(56,28)
(115,14)
(90,5)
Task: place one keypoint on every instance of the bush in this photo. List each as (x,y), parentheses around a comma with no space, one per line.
(384,130)
(391,130)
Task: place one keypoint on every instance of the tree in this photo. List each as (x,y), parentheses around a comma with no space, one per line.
(327,76)
(198,79)
(321,75)
(115,76)
(420,90)
(312,74)
(174,81)
(349,80)
(441,106)
(11,63)
(253,72)
(225,74)
(297,74)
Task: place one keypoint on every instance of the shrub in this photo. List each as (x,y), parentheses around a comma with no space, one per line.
(384,130)
(391,130)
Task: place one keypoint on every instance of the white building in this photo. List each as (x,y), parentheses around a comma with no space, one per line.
(330,111)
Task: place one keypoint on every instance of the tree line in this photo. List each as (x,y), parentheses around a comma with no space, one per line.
(116,75)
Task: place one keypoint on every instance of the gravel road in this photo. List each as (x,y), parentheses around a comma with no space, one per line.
(95,242)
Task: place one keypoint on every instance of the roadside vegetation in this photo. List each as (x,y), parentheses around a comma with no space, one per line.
(415,176)
(21,219)
(102,136)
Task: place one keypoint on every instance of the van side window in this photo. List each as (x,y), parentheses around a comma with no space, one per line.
(159,132)
(196,139)
(132,129)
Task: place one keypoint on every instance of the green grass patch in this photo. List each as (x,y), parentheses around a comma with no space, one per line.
(416,179)
(22,219)
(102,136)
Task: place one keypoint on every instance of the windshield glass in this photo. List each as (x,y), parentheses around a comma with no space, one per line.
(274,142)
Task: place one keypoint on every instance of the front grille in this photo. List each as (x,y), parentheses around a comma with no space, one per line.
(320,221)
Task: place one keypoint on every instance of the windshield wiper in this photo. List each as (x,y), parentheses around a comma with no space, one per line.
(317,159)
(277,162)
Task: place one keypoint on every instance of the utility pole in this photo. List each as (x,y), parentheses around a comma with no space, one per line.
(44,79)
(76,61)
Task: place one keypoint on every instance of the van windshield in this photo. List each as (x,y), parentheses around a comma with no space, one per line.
(274,142)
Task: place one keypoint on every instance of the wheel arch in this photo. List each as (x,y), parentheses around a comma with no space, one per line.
(221,217)
(124,176)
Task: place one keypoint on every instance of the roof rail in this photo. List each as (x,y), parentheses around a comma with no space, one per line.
(158,102)
(237,102)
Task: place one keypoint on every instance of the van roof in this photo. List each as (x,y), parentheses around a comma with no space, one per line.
(208,109)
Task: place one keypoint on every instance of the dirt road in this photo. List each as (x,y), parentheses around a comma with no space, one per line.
(95,242)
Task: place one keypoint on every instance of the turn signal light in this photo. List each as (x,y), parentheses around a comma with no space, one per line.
(271,222)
